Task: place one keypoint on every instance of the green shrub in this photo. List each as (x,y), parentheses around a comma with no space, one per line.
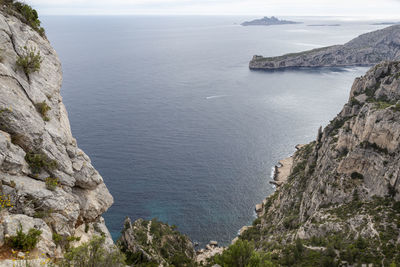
(382,105)
(19,140)
(43,108)
(13,184)
(22,241)
(1,55)
(51,183)
(93,254)
(354,102)
(336,124)
(318,241)
(242,254)
(251,234)
(64,241)
(396,206)
(42,213)
(361,243)
(30,61)
(356,175)
(39,161)
(396,108)
(374,146)
(27,14)
(299,167)
(291,221)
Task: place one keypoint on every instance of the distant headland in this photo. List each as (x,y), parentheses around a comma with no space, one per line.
(266,21)
(365,50)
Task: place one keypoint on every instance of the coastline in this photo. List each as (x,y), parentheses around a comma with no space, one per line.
(281,173)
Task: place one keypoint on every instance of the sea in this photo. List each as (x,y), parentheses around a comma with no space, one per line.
(178,126)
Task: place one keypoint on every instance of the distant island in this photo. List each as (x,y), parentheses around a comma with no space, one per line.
(266,21)
(386,23)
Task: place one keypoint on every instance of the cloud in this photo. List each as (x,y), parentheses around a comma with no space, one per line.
(227,7)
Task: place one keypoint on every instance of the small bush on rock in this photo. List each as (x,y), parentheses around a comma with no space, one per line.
(19,140)
(39,161)
(30,61)
(24,242)
(64,241)
(356,175)
(51,183)
(42,214)
(43,108)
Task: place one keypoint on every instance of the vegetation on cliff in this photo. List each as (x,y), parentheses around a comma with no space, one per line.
(93,254)
(242,254)
(30,61)
(151,243)
(24,12)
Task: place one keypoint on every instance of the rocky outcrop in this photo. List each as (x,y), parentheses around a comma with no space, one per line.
(34,147)
(155,243)
(366,50)
(211,249)
(341,201)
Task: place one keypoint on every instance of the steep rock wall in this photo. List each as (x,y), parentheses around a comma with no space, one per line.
(75,207)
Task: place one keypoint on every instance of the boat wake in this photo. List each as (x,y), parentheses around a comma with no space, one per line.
(215,96)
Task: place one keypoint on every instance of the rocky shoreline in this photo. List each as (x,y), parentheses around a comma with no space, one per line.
(281,173)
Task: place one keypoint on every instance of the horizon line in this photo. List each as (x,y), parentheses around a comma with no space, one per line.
(372,17)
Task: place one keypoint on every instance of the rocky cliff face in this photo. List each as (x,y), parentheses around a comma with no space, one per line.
(367,49)
(341,201)
(34,147)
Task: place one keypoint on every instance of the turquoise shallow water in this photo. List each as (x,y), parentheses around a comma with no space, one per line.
(177,124)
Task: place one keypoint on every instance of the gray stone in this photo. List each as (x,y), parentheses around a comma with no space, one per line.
(213,243)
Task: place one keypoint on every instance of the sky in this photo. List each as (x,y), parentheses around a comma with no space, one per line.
(367,8)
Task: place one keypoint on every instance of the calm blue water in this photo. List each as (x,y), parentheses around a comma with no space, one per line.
(177,124)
